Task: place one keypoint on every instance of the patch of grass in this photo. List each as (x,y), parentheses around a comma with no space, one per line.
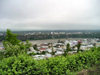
(95,70)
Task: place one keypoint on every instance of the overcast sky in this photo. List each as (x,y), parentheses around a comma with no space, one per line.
(49,14)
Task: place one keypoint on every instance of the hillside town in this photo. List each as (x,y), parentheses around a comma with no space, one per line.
(45,50)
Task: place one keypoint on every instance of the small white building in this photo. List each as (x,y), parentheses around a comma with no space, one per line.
(59,53)
(49,50)
(47,55)
(32,50)
(39,56)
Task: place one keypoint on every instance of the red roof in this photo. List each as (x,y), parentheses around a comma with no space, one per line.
(42,49)
(44,45)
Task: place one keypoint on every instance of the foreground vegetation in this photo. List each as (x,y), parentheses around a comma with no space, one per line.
(15,61)
(94,70)
(60,65)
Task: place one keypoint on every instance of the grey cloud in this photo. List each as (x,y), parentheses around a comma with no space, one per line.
(49,14)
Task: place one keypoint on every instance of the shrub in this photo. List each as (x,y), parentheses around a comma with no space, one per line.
(21,65)
(60,65)
(2,54)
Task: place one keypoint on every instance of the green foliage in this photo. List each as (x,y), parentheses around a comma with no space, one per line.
(11,50)
(43,52)
(53,51)
(78,46)
(13,46)
(21,65)
(68,48)
(28,44)
(11,38)
(60,65)
(25,46)
(35,47)
(31,54)
(2,54)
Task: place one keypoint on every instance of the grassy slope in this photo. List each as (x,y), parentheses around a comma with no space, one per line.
(95,70)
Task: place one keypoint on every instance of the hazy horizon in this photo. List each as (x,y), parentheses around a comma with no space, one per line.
(25,15)
(52,30)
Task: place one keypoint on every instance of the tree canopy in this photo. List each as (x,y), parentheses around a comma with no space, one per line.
(11,38)
(14,46)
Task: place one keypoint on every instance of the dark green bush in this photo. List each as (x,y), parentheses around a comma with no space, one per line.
(2,54)
(60,65)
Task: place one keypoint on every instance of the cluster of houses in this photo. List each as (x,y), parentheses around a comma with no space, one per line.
(45,50)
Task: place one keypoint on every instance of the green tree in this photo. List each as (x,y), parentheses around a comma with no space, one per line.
(13,46)
(67,49)
(12,50)
(11,38)
(53,52)
(28,44)
(78,46)
(35,47)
